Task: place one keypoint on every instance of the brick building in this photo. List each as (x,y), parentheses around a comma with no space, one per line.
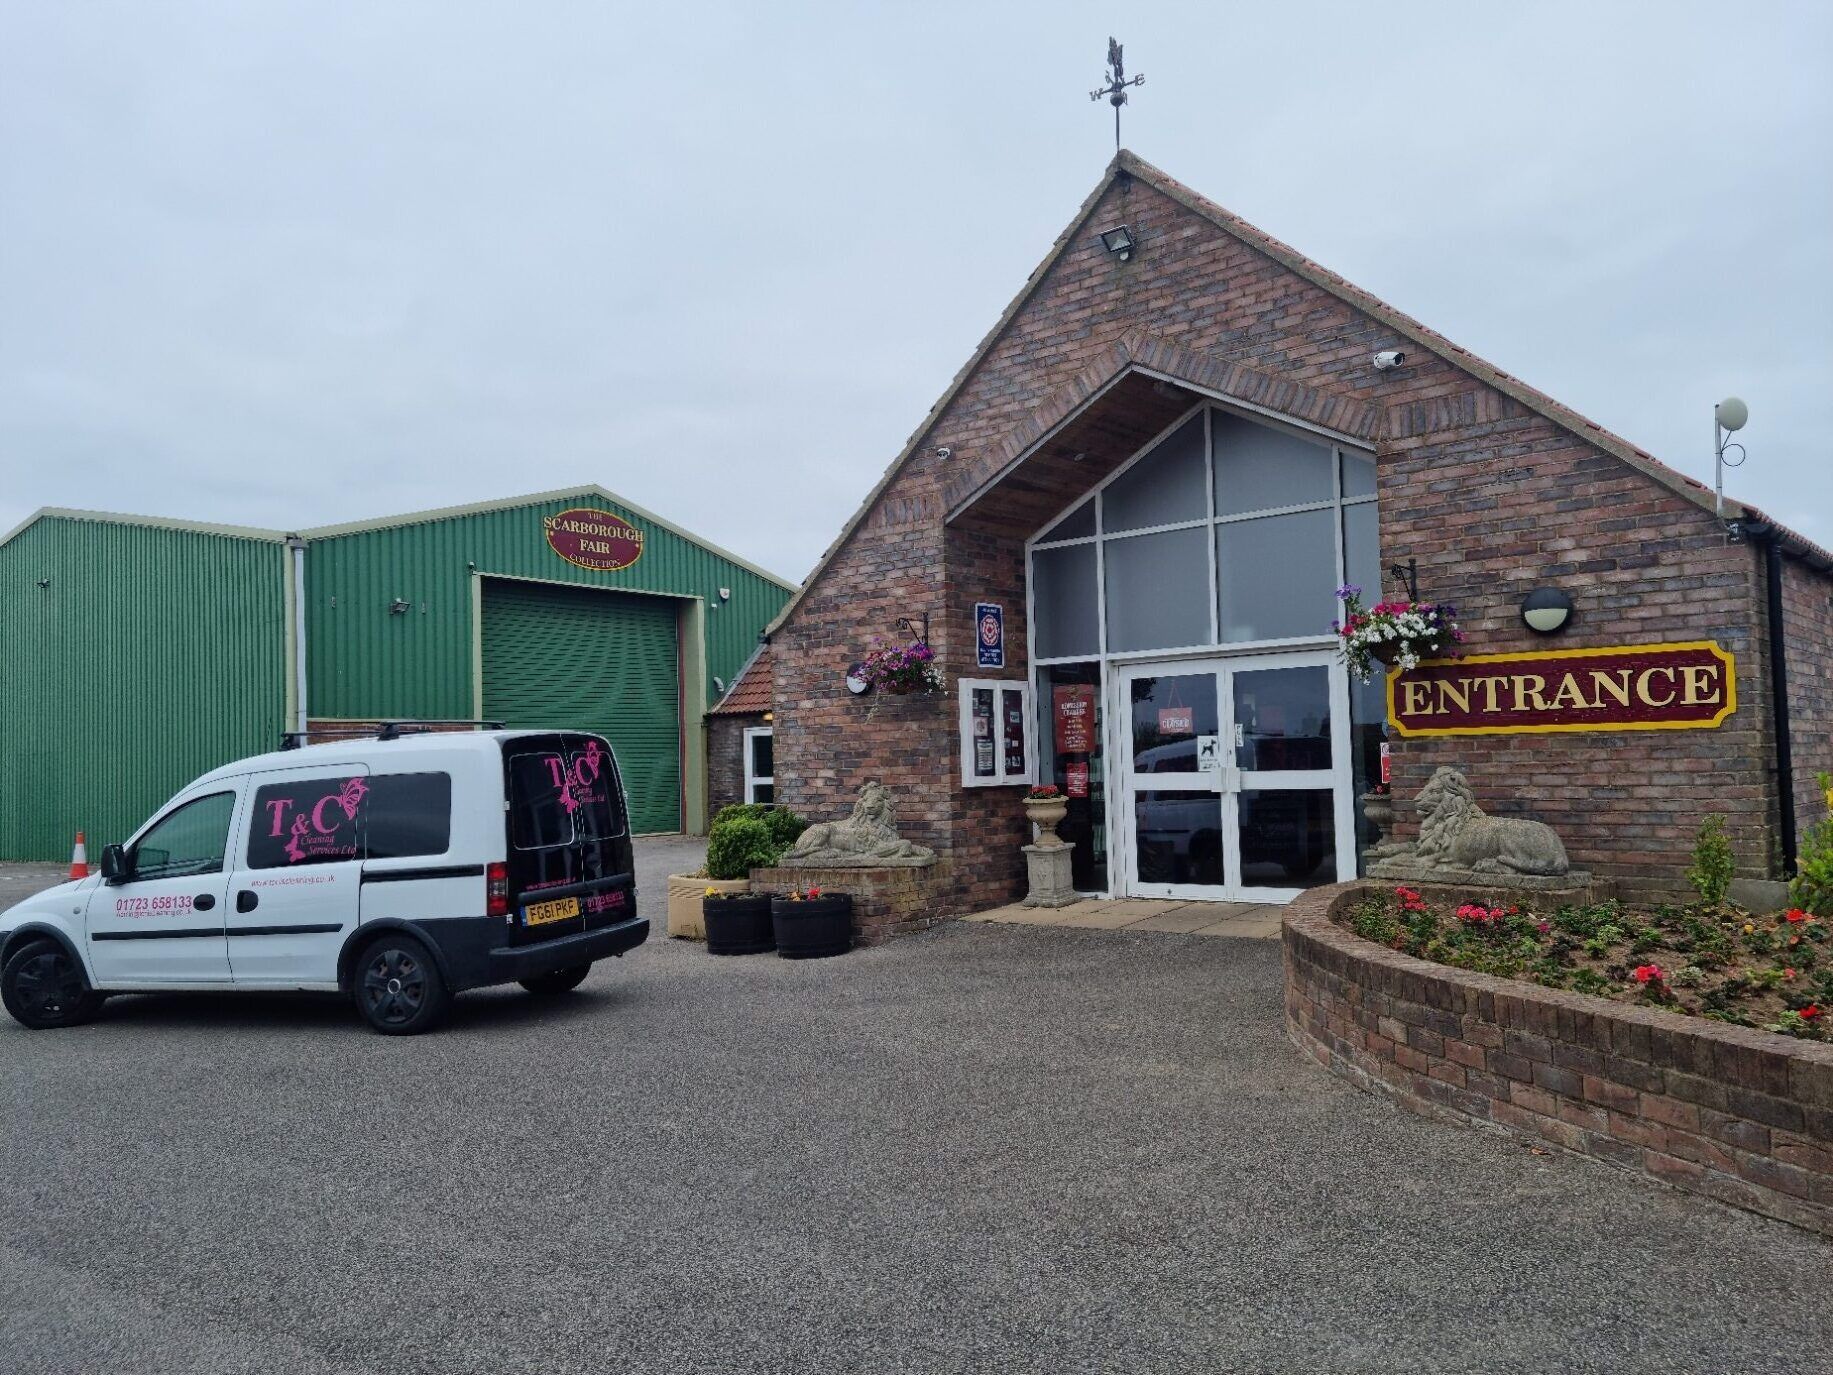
(1156,469)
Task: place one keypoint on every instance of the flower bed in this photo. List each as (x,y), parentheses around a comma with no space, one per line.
(1774,973)
(1737,1114)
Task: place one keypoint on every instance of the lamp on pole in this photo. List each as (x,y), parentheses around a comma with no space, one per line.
(1728,417)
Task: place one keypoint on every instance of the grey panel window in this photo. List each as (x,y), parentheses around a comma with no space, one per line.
(1362,551)
(1158,590)
(1064,601)
(409,814)
(1078,524)
(1358,475)
(1163,488)
(1258,468)
(1277,576)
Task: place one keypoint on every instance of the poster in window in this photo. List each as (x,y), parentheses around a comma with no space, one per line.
(1075,779)
(1176,721)
(1074,713)
(1014,706)
(986,763)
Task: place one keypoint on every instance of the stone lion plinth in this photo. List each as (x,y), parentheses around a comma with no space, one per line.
(866,840)
(1459,843)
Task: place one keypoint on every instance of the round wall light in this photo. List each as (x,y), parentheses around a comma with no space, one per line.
(1546,610)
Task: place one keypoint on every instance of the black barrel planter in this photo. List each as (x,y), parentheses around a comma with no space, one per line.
(813,928)
(738,925)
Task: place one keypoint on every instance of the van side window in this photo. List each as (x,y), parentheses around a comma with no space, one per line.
(409,814)
(537,818)
(308,821)
(189,840)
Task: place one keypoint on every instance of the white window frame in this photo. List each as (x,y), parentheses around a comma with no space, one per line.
(965,690)
(752,779)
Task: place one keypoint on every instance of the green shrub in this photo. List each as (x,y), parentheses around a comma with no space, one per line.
(737,845)
(785,826)
(1713,864)
(1812,888)
(743,811)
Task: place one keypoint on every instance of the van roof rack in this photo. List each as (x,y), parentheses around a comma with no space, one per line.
(384,730)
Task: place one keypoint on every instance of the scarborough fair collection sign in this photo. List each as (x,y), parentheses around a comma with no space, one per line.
(1690,686)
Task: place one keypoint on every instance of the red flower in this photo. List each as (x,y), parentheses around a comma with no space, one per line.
(1795,915)
(1789,973)
(1647,974)
(1809,1013)
(814,892)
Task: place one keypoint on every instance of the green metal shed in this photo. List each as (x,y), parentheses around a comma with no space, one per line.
(136,652)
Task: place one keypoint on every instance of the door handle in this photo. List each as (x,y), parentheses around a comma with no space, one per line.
(247,900)
(203,902)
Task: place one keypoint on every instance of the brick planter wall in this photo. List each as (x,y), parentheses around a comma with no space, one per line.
(886,902)
(1742,1116)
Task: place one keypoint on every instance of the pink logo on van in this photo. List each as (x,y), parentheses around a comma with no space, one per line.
(313,834)
(575,780)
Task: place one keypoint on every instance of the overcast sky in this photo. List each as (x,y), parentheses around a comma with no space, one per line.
(287,264)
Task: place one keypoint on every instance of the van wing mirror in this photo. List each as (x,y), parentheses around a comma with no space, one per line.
(114,864)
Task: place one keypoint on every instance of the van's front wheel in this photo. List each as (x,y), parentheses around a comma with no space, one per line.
(560,981)
(43,987)
(398,987)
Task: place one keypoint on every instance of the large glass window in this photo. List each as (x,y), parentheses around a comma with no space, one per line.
(1070,755)
(1251,525)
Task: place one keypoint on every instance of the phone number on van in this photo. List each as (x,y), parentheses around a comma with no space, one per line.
(152,907)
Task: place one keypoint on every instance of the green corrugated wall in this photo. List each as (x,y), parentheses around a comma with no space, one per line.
(363,662)
(152,656)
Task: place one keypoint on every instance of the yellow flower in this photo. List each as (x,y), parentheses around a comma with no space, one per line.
(712,892)
(1749,927)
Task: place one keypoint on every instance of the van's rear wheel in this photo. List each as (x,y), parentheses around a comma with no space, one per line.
(44,987)
(398,987)
(560,981)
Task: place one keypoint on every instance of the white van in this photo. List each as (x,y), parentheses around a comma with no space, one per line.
(400,868)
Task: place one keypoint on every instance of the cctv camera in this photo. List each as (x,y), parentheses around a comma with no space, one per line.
(944,452)
(1389,358)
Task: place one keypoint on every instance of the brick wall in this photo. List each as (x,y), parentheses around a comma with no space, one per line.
(1742,1116)
(886,902)
(1491,498)
(725,760)
(1807,617)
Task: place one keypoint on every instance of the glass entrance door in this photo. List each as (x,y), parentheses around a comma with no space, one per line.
(1235,777)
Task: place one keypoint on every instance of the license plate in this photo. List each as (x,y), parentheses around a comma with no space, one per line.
(541,913)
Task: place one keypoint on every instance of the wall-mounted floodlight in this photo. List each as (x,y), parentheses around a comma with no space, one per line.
(1119,241)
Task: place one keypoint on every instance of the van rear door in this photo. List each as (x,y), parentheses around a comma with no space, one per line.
(570,861)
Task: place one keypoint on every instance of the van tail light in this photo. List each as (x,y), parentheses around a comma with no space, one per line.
(496,890)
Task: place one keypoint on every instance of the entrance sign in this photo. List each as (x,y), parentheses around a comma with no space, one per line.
(599,540)
(990,634)
(1682,686)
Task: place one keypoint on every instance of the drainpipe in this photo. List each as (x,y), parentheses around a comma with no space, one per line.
(1778,688)
(298,548)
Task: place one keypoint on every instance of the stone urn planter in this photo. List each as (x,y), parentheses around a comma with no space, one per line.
(738,925)
(812,928)
(685,894)
(1044,813)
(1379,809)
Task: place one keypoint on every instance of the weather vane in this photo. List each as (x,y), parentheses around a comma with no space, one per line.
(1116,88)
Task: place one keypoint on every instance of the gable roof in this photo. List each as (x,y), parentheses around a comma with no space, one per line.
(750,691)
(590,489)
(1126,163)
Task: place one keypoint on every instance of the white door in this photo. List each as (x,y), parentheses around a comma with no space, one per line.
(298,875)
(1235,776)
(163,922)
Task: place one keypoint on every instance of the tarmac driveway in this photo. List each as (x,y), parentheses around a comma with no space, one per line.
(986,1148)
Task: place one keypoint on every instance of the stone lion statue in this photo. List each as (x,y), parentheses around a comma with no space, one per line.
(867,839)
(1454,833)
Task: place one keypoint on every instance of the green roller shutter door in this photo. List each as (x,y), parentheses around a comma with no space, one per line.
(562,657)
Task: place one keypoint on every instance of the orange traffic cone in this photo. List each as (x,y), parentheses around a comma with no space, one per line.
(79,859)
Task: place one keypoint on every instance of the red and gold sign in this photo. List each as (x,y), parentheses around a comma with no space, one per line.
(1690,686)
(592,539)
(1075,717)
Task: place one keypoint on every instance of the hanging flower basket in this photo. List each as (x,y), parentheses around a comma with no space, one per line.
(1400,634)
(902,669)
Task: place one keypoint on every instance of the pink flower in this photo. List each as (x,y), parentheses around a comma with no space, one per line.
(1647,974)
